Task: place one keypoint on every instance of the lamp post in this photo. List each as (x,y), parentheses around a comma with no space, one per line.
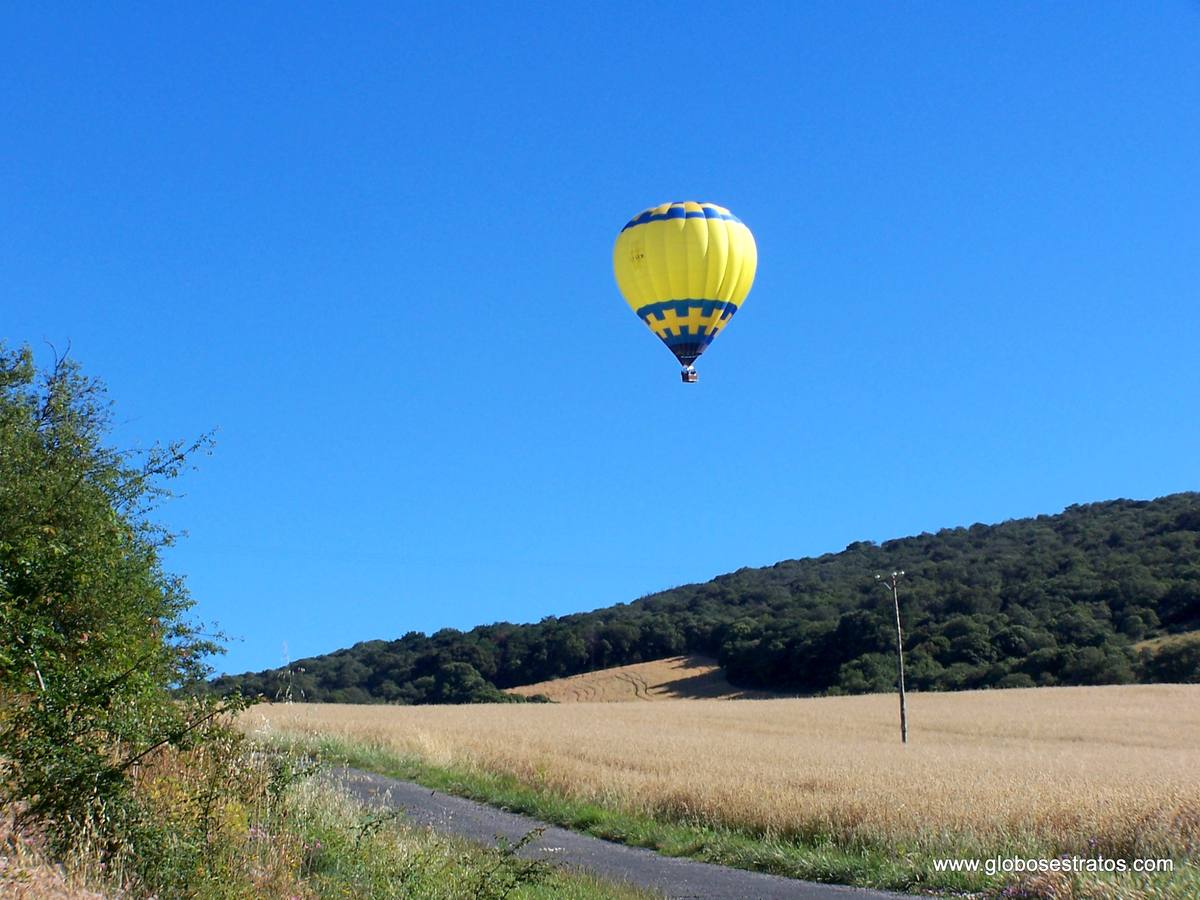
(891,582)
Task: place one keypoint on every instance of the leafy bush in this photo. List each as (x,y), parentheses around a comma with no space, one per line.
(93,632)
(1174,660)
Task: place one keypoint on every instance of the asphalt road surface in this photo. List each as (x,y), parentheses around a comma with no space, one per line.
(680,879)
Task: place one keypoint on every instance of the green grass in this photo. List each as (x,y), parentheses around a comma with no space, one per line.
(350,852)
(886,867)
(235,820)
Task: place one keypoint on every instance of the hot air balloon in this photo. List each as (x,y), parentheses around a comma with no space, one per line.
(685,269)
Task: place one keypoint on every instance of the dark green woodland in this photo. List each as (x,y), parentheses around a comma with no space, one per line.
(1052,600)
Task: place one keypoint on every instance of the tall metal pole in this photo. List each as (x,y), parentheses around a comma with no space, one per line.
(892,582)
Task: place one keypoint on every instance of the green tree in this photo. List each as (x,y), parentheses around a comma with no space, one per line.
(93,631)
(871,672)
(1177,660)
(1012,604)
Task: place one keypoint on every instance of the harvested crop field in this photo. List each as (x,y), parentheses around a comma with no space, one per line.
(1086,770)
(676,678)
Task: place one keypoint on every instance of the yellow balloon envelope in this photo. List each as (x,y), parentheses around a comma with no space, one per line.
(685,269)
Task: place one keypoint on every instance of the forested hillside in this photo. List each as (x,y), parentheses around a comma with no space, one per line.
(1056,599)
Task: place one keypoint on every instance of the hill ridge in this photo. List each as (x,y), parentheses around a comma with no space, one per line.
(1043,600)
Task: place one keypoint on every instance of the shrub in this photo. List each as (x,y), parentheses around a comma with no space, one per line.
(1175,660)
(93,634)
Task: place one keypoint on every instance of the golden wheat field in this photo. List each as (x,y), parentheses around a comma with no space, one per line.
(676,678)
(1112,770)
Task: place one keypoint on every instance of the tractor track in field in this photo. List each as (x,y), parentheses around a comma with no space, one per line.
(674,877)
(640,688)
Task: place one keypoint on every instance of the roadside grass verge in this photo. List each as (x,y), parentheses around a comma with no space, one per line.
(814,857)
(232,820)
(347,851)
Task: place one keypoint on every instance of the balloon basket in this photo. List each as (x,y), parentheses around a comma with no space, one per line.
(689,375)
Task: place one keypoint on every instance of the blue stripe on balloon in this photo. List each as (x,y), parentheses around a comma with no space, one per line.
(697,340)
(681,307)
(685,335)
(678,212)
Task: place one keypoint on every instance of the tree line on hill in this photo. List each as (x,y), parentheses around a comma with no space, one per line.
(1052,600)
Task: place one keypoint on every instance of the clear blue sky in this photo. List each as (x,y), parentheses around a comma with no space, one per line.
(371,245)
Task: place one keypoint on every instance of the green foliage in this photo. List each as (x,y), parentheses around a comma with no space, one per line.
(229,818)
(1175,660)
(93,633)
(1045,601)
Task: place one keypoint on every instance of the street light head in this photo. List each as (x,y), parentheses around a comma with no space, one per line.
(878,577)
(901,571)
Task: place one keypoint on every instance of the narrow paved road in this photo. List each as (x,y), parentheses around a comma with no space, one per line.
(680,879)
